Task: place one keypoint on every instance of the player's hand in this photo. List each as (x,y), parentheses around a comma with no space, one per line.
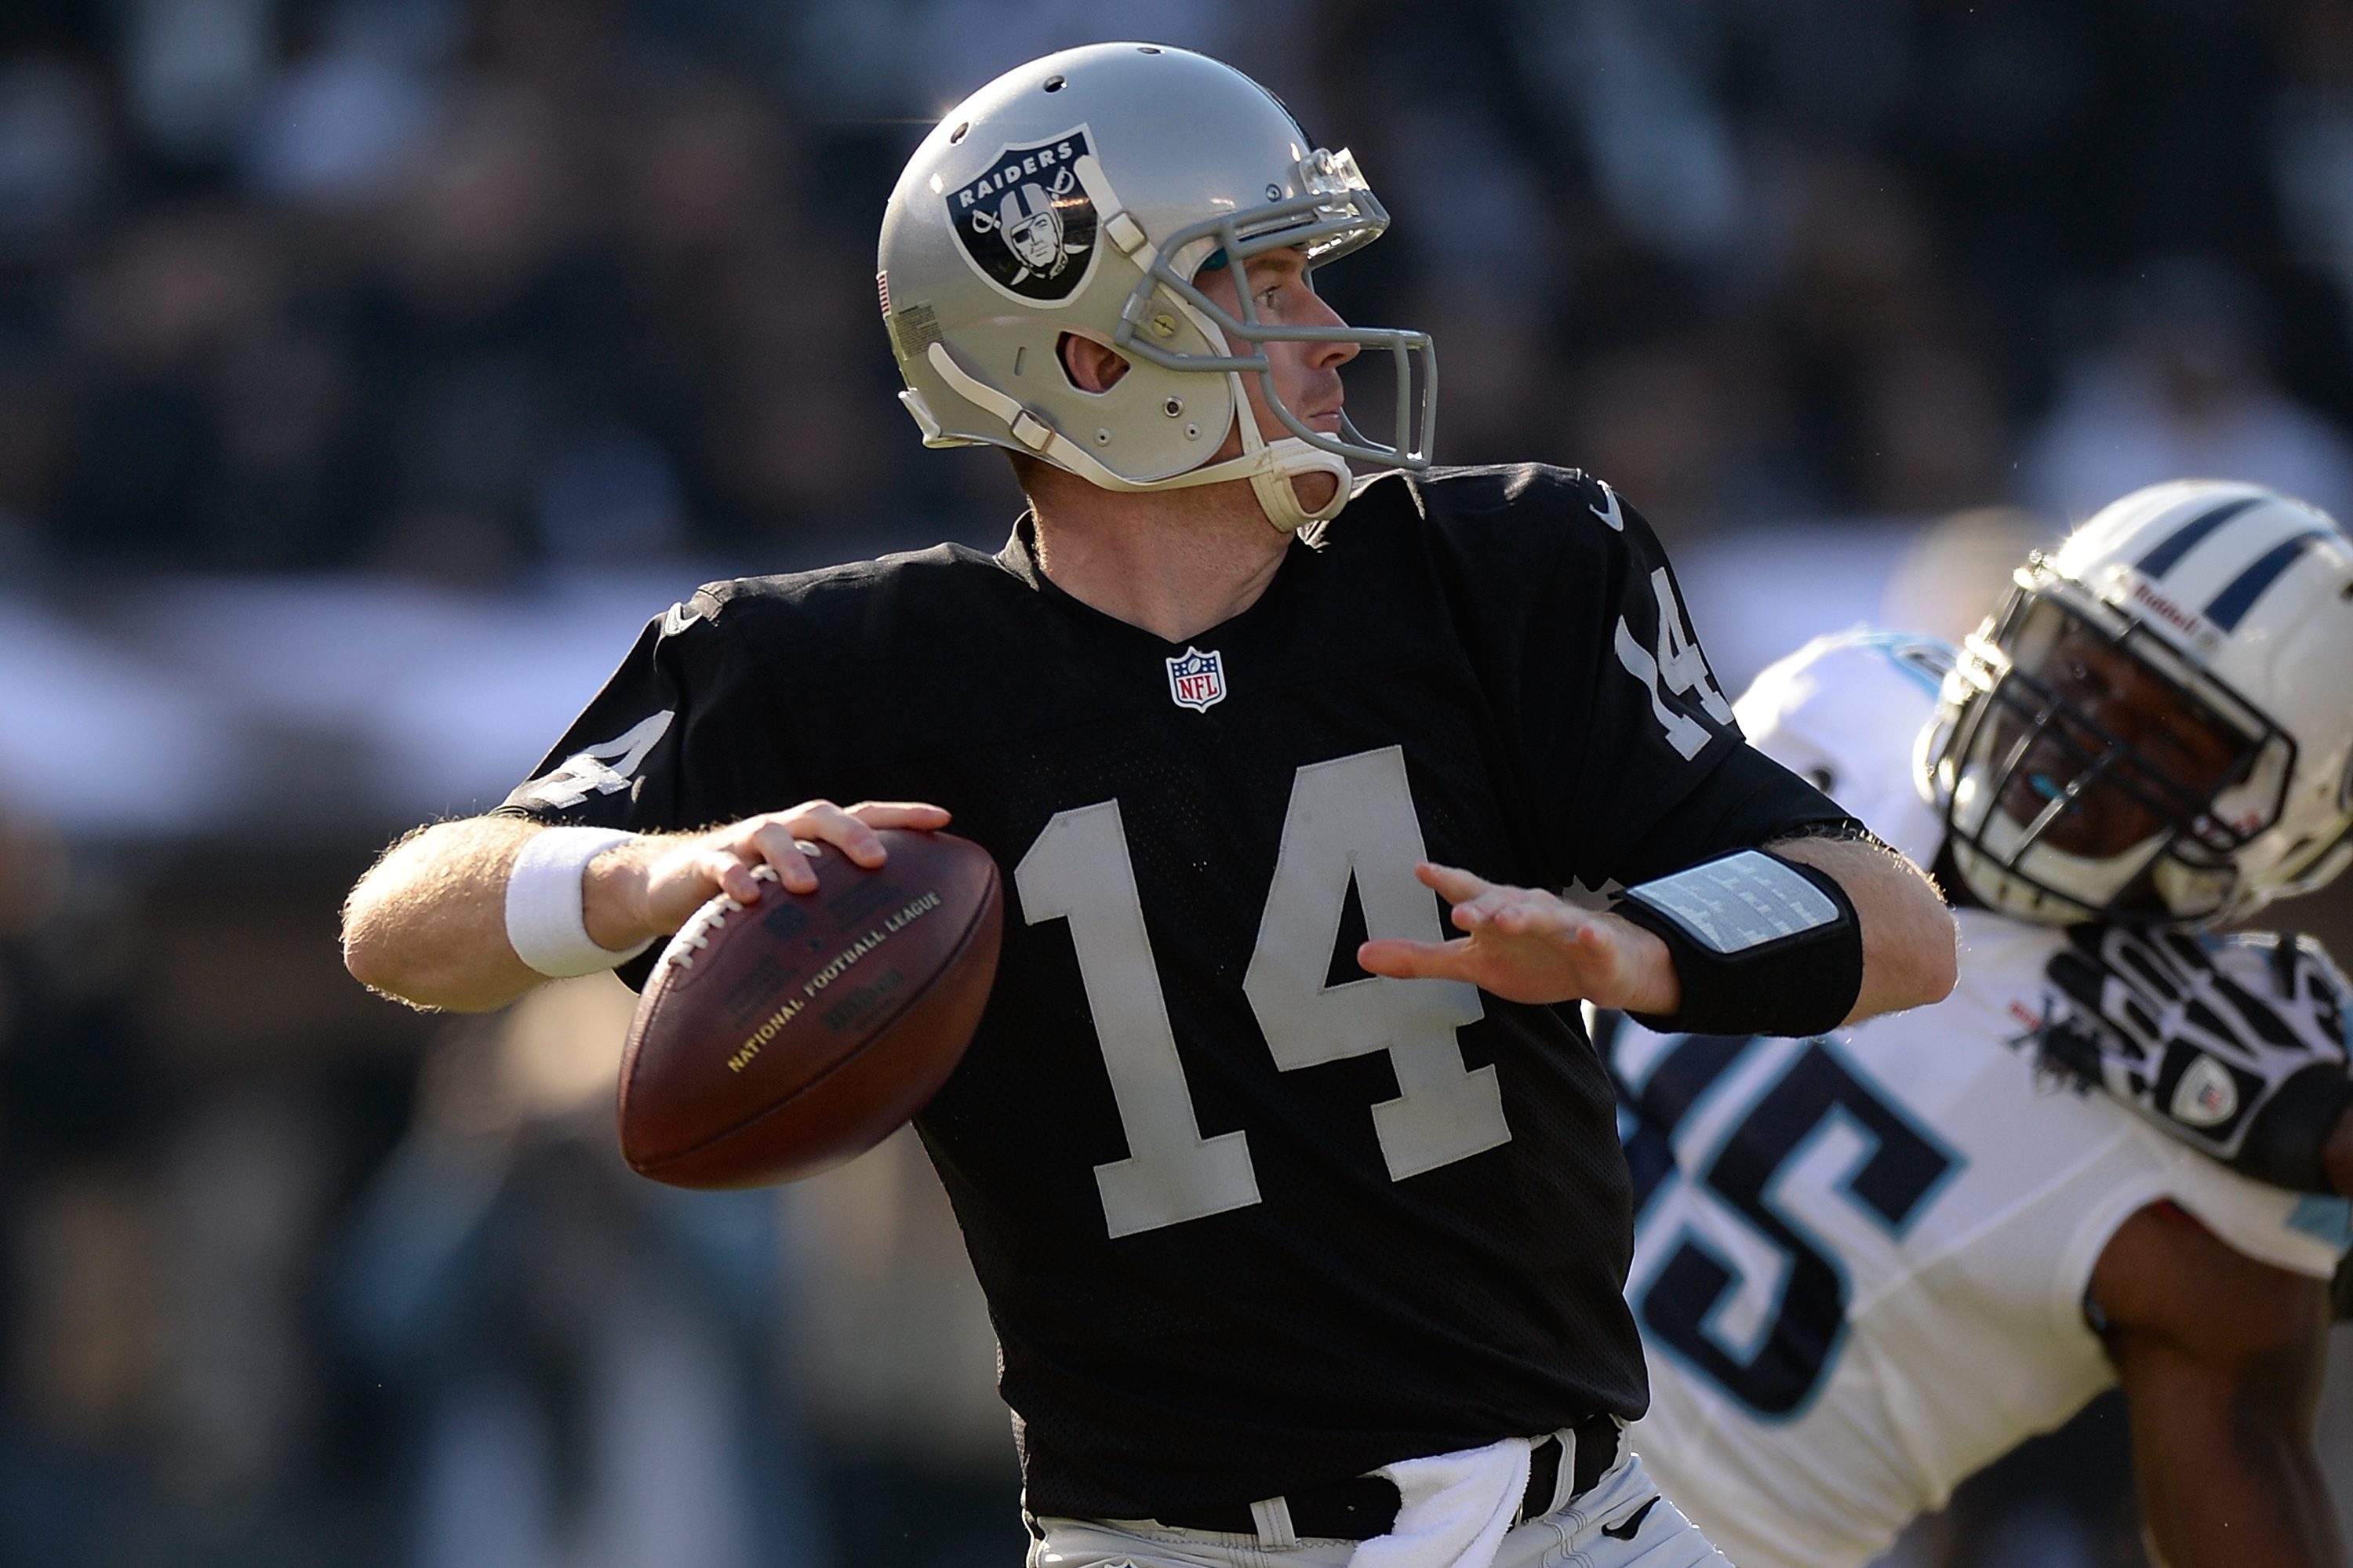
(656,891)
(2235,1045)
(1525,945)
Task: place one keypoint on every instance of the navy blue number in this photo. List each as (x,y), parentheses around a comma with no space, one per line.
(1891,1183)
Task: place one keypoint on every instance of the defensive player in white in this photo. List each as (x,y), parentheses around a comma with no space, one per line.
(1868,1263)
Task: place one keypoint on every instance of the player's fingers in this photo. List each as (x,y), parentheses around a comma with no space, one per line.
(828,823)
(1528,912)
(1516,919)
(732,875)
(918,814)
(778,846)
(1402,959)
(1451,883)
(1488,907)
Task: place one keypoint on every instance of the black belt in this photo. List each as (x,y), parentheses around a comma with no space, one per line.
(1364,1506)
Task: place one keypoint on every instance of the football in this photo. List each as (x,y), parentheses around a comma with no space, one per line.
(779,1039)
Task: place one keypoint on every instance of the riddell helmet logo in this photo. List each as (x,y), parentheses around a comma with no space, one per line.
(1027,224)
(2165,609)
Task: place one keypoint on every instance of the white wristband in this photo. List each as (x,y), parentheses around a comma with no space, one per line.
(545,924)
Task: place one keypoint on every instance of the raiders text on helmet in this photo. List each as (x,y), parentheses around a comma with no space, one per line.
(2157,726)
(1082,193)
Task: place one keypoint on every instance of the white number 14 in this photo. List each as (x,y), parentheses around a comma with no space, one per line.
(1352,818)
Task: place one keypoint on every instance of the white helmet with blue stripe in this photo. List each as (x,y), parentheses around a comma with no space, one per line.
(2157,726)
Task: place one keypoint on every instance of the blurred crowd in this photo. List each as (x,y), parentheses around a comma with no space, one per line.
(447,287)
(332,300)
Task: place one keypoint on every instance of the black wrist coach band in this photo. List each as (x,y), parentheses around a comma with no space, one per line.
(1761,945)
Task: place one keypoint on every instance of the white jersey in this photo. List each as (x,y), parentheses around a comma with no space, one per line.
(1860,1260)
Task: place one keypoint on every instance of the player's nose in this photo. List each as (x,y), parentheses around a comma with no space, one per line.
(1327,355)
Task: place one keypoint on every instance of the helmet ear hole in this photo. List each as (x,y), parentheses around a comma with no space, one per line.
(1089,366)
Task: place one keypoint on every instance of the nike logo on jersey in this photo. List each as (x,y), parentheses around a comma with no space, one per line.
(1612,517)
(1632,1525)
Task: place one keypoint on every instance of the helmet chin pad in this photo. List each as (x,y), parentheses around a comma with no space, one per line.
(1278,496)
(1282,461)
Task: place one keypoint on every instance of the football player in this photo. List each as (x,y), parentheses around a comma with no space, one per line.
(1301,1225)
(1870,1262)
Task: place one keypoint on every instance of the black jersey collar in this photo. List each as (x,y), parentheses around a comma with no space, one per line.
(1019,557)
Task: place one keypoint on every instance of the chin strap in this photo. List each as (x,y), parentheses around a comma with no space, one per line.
(1269,466)
(1286,460)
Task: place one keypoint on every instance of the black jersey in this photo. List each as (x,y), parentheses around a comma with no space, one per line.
(1248,1220)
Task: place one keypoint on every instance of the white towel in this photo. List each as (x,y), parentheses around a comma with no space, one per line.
(1453,1508)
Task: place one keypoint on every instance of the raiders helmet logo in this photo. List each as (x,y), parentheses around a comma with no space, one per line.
(1027,223)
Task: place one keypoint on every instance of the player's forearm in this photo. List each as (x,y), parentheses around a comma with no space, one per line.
(2224,1459)
(2220,1359)
(1910,955)
(428,923)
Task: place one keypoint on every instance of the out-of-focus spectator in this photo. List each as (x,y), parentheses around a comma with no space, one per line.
(336,127)
(55,162)
(746,356)
(240,1201)
(1629,83)
(1658,423)
(2183,390)
(1956,571)
(487,338)
(1903,412)
(2312,140)
(586,1358)
(1931,435)
(194,71)
(192,399)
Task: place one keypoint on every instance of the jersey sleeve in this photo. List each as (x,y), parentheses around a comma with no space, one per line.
(1637,764)
(2300,1232)
(685,734)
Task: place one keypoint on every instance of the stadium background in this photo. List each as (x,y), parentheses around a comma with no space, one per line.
(370,368)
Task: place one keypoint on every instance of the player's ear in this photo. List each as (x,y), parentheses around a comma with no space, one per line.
(1091,365)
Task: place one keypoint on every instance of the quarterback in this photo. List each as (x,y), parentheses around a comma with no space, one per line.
(1302,1226)
(1871,1262)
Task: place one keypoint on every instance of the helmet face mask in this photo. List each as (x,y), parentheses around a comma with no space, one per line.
(2096,755)
(1340,214)
(1085,194)
(2152,728)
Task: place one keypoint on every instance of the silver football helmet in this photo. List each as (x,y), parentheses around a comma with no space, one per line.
(1083,193)
(2157,726)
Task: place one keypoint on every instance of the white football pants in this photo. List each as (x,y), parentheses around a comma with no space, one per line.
(1575,1535)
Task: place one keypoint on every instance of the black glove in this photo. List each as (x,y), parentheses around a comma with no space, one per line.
(2235,1045)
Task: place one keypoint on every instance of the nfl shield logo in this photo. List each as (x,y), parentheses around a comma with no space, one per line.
(1197,680)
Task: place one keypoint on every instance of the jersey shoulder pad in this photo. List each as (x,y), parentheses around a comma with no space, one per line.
(1844,712)
(845,611)
(850,583)
(1540,494)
